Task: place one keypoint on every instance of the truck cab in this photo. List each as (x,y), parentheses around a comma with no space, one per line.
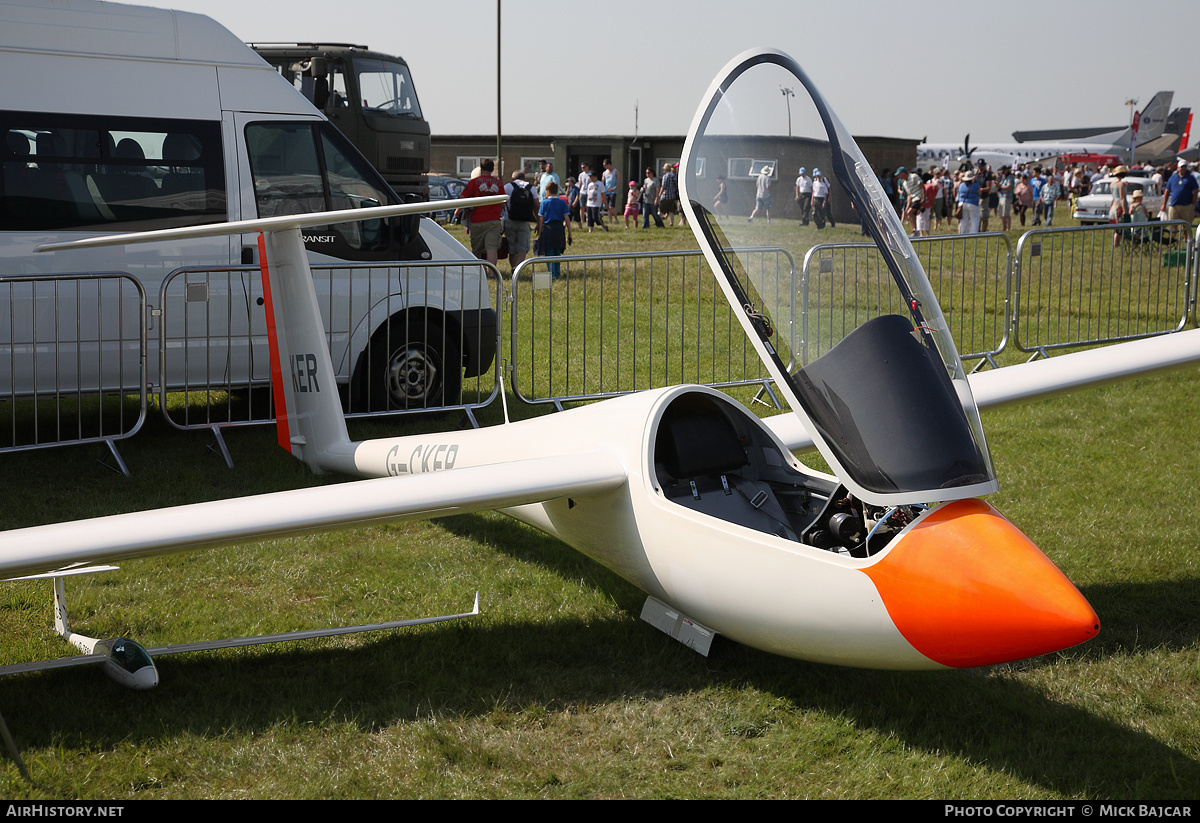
(370,97)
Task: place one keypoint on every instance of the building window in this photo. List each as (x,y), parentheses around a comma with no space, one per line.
(530,164)
(662,161)
(747,168)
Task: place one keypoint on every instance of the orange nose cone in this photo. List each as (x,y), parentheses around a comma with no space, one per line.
(966,588)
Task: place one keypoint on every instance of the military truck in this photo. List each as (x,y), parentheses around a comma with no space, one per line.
(370,97)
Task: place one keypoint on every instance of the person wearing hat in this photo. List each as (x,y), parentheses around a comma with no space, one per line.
(633,199)
(1179,196)
(1138,214)
(1118,212)
(762,193)
(804,187)
(1120,192)
(1137,209)
(968,201)
(821,200)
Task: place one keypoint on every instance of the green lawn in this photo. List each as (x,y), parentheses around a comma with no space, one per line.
(558,690)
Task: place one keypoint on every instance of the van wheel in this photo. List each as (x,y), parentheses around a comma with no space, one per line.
(413,365)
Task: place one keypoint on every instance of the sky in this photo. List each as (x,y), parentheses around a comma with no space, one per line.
(920,68)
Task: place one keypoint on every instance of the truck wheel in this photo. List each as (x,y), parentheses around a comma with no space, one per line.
(412,365)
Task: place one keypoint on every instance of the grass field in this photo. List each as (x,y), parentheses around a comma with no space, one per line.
(558,690)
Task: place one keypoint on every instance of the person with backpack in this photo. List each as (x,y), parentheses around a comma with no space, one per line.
(520,213)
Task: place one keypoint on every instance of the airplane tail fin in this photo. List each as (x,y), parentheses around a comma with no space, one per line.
(308,410)
(1153,120)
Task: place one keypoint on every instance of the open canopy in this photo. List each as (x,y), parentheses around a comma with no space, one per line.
(887,403)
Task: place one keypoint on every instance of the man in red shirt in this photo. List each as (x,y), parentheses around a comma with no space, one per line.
(486,229)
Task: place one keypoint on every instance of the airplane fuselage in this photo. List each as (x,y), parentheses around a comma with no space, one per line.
(997,154)
(957,586)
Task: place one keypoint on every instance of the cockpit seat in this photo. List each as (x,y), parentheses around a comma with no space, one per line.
(702,464)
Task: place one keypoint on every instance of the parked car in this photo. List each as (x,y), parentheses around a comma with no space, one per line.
(445,188)
(1093,207)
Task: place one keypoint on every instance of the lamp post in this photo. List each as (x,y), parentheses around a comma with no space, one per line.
(1131,102)
(788,94)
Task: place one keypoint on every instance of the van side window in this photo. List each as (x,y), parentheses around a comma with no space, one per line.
(300,168)
(83,171)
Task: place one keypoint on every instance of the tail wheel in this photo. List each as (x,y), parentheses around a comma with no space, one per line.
(412,365)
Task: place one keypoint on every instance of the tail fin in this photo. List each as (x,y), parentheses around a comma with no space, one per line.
(1153,120)
(308,409)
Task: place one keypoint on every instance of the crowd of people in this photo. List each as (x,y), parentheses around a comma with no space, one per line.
(967,199)
(540,212)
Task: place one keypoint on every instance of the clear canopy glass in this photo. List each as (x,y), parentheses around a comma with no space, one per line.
(867,363)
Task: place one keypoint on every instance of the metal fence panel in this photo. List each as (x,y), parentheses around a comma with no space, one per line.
(845,284)
(1193,275)
(73,355)
(614,324)
(1085,285)
(389,327)
(72,359)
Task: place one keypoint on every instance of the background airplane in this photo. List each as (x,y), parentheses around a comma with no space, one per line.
(1152,123)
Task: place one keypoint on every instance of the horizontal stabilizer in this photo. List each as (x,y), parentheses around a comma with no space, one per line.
(287,637)
(281,223)
(237,642)
(66,572)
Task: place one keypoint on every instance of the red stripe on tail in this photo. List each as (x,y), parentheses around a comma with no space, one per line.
(277,386)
